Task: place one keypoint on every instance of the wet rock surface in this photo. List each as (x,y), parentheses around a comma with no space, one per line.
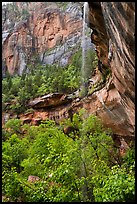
(113,25)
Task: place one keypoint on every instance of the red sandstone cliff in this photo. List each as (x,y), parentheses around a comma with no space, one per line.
(113,25)
(32,28)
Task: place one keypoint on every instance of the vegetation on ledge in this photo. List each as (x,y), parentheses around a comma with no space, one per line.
(39,80)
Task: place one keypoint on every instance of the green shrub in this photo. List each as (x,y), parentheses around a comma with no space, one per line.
(79,167)
(118,186)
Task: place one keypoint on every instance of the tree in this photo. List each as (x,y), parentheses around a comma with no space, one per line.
(81,166)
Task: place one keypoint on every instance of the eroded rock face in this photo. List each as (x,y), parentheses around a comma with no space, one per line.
(32,28)
(113,35)
(57,114)
(49,101)
(113,25)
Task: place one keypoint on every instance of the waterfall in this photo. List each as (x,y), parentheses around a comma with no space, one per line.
(83,45)
(84,87)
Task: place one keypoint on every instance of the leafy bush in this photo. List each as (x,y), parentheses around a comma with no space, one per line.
(11,186)
(118,186)
(81,166)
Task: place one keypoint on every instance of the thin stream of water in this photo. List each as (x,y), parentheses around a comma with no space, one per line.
(83,77)
(84,188)
(83,45)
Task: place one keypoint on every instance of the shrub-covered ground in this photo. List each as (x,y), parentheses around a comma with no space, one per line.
(81,166)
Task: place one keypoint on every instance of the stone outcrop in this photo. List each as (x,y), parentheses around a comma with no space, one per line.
(49,101)
(33,179)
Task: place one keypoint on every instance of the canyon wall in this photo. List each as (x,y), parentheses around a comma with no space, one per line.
(113,25)
(113,33)
(46,31)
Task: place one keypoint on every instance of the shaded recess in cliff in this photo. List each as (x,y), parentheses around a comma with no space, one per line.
(113,25)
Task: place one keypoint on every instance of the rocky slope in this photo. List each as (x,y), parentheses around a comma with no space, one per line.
(113,25)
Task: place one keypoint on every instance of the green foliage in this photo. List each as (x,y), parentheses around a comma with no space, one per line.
(76,59)
(45,79)
(41,80)
(14,125)
(62,5)
(90,62)
(25,14)
(83,91)
(118,186)
(81,169)
(15,150)
(11,186)
(129,157)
